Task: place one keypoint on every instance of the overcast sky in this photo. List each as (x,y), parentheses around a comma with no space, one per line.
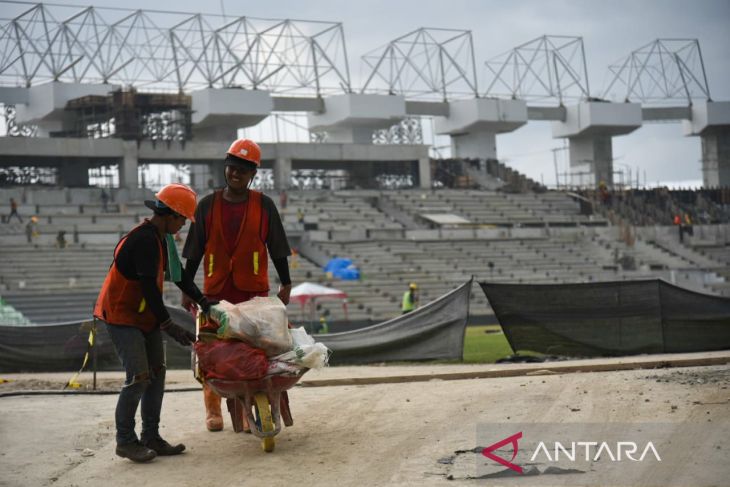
(610,31)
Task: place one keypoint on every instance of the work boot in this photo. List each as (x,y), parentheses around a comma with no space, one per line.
(136,452)
(163,448)
(213,417)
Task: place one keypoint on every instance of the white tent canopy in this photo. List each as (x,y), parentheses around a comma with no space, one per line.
(309,292)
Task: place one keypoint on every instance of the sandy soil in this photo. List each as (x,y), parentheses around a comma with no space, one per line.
(412,433)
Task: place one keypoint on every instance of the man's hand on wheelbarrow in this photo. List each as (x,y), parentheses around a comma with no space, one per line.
(205,305)
(188,303)
(180,334)
(284,292)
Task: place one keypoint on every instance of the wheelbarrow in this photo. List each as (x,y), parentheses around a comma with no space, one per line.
(258,406)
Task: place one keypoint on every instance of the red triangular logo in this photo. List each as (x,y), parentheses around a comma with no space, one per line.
(487,452)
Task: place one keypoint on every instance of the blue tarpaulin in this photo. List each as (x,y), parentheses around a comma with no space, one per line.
(341,268)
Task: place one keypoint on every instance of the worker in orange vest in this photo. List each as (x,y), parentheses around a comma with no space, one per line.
(235,232)
(131,305)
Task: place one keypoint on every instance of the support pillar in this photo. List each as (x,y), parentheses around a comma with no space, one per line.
(474,124)
(424,173)
(589,127)
(477,144)
(282,173)
(129,166)
(591,160)
(711,121)
(217,173)
(716,157)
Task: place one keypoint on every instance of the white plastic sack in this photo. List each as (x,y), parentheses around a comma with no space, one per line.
(305,352)
(260,322)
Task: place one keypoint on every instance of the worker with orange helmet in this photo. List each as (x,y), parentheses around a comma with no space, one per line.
(131,305)
(235,232)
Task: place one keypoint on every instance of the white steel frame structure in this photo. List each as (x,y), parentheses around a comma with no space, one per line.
(664,70)
(170,51)
(547,68)
(427,63)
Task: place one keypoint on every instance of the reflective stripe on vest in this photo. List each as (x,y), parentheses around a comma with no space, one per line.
(249,264)
(121,301)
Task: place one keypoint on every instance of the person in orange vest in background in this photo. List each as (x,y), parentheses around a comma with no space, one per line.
(131,305)
(678,222)
(235,232)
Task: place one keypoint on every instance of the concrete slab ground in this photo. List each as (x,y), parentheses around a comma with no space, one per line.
(422,431)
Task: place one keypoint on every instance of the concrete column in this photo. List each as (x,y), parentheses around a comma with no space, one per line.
(477,144)
(592,154)
(350,135)
(217,173)
(74,174)
(129,167)
(424,173)
(716,157)
(282,173)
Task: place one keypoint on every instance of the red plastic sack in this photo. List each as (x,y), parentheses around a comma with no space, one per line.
(231,360)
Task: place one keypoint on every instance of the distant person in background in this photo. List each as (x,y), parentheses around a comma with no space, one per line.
(678,223)
(410,298)
(688,225)
(323,326)
(300,215)
(31,229)
(14,211)
(104,201)
(61,239)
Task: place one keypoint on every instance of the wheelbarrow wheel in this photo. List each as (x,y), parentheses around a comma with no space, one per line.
(263,414)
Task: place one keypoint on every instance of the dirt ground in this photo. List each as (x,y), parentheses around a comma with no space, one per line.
(407,433)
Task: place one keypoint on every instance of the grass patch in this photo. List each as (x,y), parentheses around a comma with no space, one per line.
(483,346)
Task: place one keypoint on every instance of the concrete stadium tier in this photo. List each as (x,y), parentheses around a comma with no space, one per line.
(514,238)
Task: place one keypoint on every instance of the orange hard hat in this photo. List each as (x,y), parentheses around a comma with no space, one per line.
(179,198)
(246,149)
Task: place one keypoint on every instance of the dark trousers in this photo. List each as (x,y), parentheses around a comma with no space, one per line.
(142,357)
(17,215)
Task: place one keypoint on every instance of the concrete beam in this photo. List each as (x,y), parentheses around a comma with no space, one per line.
(47,102)
(497,116)
(705,116)
(554,114)
(297,104)
(432,108)
(352,118)
(10,95)
(655,114)
(598,118)
(228,108)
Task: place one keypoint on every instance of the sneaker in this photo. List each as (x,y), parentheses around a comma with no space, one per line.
(163,448)
(136,452)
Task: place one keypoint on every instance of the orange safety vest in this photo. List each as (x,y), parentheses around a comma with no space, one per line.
(120,301)
(249,264)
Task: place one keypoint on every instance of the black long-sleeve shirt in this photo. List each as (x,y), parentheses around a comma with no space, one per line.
(138,260)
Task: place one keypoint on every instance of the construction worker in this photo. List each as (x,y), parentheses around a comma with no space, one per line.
(410,298)
(131,305)
(236,229)
(323,326)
